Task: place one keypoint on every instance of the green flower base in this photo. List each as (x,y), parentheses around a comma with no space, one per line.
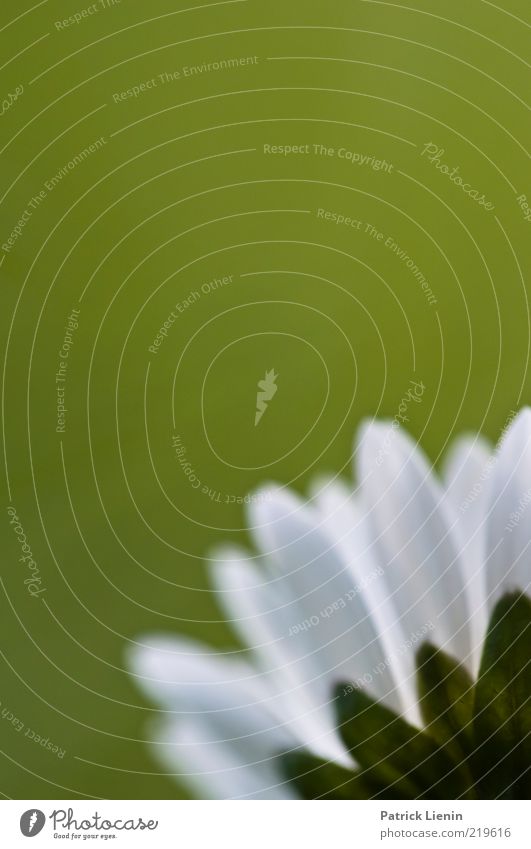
(476,743)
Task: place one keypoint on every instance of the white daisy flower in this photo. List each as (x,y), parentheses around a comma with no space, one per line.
(346,587)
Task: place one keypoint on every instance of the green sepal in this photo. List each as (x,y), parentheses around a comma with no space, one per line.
(501,761)
(446,701)
(394,754)
(318,779)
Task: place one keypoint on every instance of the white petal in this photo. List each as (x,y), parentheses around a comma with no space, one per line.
(217,770)
(466,472)
(218,703)
(176,671)
(509,523)
(347,526)
(331,629)
(318,582)
(412,533)
(261,611)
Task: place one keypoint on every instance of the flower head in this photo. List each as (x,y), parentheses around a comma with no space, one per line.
(360,604)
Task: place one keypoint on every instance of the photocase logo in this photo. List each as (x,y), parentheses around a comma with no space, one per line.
(267,389)
(31,822)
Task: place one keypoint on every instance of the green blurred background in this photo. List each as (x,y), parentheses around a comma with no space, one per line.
(181,193)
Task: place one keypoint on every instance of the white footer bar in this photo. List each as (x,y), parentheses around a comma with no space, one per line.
(265,825)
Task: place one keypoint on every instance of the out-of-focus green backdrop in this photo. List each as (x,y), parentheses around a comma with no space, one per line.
(189,112)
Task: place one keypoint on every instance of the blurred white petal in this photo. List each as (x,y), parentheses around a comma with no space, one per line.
(262,611)
(319,587)
(413,536)
(346,526)
(217,770)
(218,705)
(467,469)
